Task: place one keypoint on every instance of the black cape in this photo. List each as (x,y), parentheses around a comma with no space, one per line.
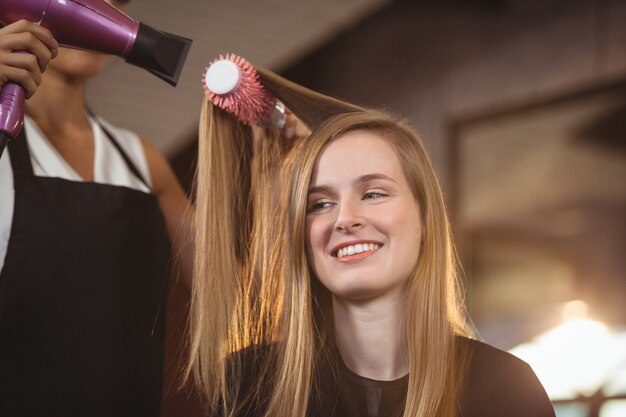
(498,384)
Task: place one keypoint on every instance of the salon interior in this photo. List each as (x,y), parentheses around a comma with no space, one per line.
(522,105)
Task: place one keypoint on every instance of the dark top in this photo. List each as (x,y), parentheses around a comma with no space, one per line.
(498,384)
(81,298)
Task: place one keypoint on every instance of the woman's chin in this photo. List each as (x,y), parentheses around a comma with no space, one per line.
(74,63)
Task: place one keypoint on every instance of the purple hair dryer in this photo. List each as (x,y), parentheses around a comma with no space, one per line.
(92,25)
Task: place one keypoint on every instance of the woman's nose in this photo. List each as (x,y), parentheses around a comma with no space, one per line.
(349,217)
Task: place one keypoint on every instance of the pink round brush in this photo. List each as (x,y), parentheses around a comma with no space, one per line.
(232,84)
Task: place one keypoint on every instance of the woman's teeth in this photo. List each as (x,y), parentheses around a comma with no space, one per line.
(358,248)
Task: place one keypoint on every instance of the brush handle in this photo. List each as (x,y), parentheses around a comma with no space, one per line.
(11,109)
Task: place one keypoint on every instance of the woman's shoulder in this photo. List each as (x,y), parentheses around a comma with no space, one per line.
(250,357)
(249,371)
(498,383)
(488,360)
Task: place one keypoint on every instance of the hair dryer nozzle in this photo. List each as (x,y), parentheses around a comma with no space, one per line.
(161,53)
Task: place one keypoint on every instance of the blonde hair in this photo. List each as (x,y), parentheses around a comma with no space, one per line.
(254,289)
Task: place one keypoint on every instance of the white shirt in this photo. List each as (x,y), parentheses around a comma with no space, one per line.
(109,167)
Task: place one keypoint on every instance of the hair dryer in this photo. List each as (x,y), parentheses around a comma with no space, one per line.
(91,25)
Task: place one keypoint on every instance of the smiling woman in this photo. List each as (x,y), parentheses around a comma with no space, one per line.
(363,222)
(325,274)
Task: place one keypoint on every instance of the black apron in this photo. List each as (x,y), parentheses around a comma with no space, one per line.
(82,297)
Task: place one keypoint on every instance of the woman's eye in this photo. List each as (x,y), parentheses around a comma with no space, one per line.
(319,205)
(374,194)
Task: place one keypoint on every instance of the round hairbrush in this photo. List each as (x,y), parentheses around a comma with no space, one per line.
(233,84)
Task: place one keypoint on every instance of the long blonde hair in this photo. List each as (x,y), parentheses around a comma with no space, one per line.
(253,286)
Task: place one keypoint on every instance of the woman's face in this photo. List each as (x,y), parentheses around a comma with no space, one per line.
(364,228)
(75,63)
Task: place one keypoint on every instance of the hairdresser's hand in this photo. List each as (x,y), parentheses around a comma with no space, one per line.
(25,68)
(294,129)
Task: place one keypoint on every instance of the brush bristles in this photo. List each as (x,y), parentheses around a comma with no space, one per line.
(249,100)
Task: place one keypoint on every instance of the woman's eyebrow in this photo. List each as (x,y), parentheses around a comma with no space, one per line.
(322,189)
(372,177)
(326,189)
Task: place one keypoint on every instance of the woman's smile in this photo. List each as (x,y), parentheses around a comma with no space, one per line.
(350,249)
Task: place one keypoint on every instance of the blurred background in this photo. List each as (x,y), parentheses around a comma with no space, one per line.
(522,104)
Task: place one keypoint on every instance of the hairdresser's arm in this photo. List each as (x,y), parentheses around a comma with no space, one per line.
(175,207)
(25,69)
